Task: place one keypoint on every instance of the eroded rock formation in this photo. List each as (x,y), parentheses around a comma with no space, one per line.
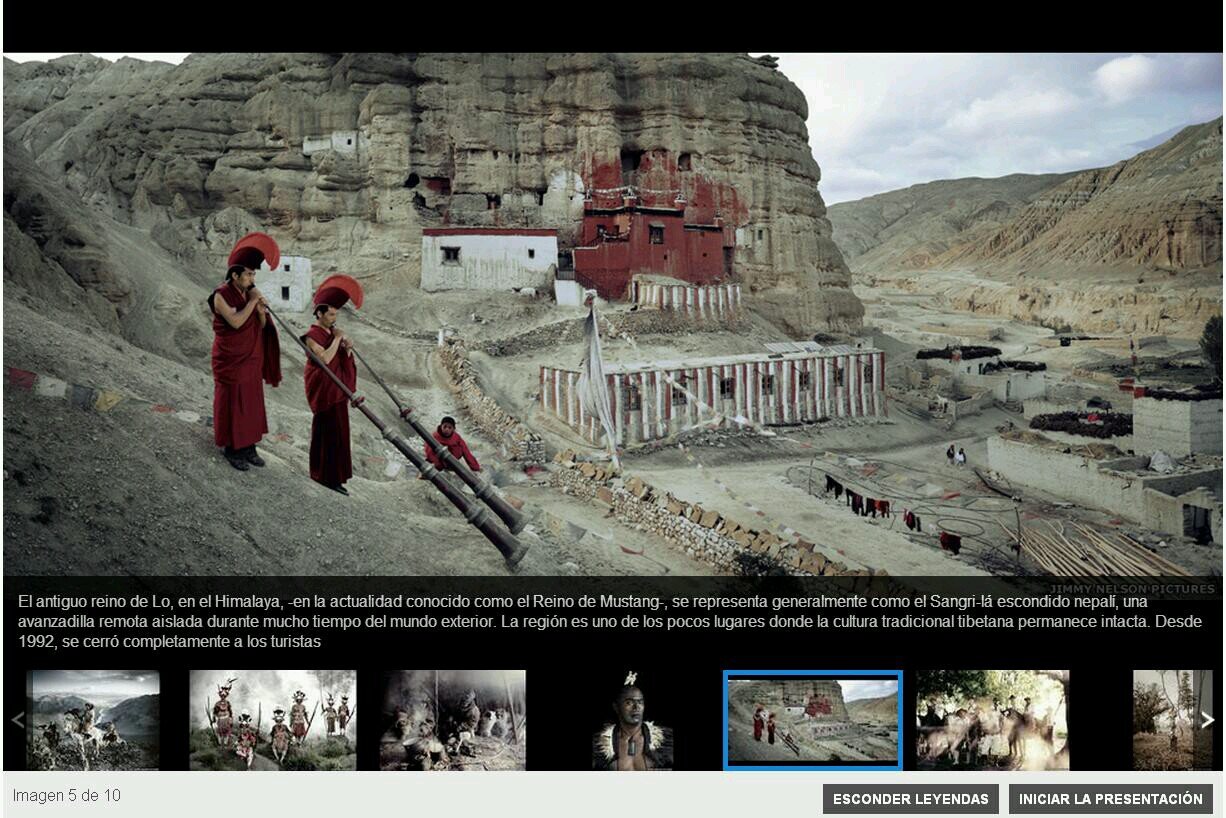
(344,158)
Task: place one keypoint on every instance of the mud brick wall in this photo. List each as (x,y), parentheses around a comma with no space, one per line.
(518,442)
(1177,427)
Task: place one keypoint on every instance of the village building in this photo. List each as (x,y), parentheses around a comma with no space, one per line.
(488,258)
(1177,423)
(979,369)
(623,235)
(342,142)
(1183,500)
(649,401)
(287,288)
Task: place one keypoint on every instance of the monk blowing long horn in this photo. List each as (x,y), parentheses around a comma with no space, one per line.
(515,521)
(511,549)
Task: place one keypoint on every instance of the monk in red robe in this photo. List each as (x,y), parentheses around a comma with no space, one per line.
(246,354)
(449,437)
(331,459)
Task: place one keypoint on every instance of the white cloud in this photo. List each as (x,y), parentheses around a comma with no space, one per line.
(854,689)
(1124,78)
(1010,107)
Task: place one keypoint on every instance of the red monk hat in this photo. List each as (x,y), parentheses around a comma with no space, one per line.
(339,290)
(254,248)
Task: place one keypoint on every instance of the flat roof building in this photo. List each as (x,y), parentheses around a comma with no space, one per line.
(488,258)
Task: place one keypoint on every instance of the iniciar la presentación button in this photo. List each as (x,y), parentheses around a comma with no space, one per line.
(1110,799)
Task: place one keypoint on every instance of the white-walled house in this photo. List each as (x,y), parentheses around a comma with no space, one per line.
(487,258)
(287,288)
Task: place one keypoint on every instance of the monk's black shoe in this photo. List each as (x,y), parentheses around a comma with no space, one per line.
(340,490)
(237,461)
(253,458)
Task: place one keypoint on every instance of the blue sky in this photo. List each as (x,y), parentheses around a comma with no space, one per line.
(879,122)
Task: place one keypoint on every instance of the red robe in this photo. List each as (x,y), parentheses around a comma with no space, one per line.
(331,459)
(242,359)
(458,448)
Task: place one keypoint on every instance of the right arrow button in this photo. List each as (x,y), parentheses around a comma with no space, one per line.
(1208,720)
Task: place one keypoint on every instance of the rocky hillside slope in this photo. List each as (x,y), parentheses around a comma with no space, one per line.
(1134,248)
(907,229)
(1159,210)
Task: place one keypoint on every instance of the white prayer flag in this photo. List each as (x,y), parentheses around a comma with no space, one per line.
(593,389)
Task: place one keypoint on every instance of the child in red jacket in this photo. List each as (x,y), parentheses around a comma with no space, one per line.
(449,437)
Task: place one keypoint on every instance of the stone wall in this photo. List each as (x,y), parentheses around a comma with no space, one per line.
(1009,385)
(1113,486)
(972,405)
(1177,427)
(517,440)
(703,534)
(1165,509)
(1068,476)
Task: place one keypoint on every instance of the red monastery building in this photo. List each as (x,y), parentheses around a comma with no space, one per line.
(624,235)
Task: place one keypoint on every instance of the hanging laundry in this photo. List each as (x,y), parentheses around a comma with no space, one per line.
(908,519)
(951,542)
(870,507)
(918,526)
(884,507)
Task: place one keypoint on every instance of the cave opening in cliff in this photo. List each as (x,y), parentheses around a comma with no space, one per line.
(631,158)
(683,162)
(412,181)
(492,201)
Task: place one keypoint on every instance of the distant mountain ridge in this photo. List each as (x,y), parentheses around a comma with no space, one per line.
(57,704)
(881,710)
(136,715)
(1161,209)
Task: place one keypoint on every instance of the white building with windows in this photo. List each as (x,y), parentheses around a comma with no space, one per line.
(343,142)
(287,288)
(487,258)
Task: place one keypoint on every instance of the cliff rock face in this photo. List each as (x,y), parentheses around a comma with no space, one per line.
(345,158)
(790,693)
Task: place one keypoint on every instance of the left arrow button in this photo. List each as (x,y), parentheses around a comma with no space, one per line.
(17,720)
